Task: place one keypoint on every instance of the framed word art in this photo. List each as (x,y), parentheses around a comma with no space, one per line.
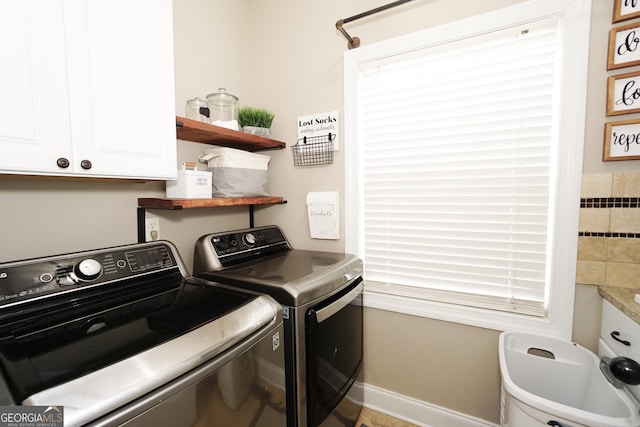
(621,140)
(625,9)
(624,46)
(623,94)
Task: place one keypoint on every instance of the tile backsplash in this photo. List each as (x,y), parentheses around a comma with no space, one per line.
(609,239)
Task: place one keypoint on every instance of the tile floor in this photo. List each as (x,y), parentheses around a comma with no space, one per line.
(371,418)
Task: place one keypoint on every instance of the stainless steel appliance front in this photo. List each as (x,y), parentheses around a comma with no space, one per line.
(321,295)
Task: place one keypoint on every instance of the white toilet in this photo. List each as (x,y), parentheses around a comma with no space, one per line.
(548,381)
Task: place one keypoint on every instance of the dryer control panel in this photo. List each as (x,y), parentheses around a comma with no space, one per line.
(248,240)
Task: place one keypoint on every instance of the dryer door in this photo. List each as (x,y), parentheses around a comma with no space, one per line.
(334,350)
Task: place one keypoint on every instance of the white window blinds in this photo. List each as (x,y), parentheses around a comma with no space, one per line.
(457,169)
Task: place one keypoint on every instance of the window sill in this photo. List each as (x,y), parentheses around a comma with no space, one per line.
(482,318)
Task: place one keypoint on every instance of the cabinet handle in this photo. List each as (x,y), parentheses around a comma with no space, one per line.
(63,162)
(616,334)
(86,164)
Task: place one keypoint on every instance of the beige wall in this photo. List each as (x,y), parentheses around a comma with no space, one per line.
(286,55)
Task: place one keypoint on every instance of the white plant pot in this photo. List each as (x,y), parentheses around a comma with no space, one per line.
(254,130)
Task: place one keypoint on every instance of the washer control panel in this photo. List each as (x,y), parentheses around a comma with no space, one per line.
(24,280)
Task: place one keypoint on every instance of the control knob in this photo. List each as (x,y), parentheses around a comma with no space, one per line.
(87,270)
(249,239)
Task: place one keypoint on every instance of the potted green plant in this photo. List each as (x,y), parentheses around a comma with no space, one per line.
(256,121)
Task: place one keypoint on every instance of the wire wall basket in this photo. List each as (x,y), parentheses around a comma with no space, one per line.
(313,150)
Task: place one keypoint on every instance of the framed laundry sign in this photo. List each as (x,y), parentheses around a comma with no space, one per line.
(624,46)
(623,94)
(625,9)
(621,140)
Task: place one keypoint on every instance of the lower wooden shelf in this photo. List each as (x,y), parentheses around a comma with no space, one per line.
(216,202)
(159,203)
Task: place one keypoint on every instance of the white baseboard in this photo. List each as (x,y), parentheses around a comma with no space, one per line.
(415,411)
(270,373)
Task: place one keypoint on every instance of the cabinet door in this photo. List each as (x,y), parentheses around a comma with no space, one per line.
(89,82)
(122,87)
(34,103)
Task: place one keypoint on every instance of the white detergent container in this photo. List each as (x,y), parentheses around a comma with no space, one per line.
(549,381)
(190,183)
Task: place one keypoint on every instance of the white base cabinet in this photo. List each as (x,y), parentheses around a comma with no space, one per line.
(87,88)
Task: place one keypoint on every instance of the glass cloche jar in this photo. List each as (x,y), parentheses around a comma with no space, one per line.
(223,109)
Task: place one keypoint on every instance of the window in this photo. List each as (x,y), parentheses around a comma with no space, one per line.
(463,191)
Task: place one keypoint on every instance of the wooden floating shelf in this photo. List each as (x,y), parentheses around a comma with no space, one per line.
(207,203)
(193,130)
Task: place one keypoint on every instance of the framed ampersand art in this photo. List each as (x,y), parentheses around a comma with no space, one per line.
(624,46)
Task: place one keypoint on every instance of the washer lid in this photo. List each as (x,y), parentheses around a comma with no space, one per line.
(37,356)
(293,278)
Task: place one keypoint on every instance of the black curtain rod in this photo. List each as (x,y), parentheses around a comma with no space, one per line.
(354,42)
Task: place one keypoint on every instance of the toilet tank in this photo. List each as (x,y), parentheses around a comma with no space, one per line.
(619,336)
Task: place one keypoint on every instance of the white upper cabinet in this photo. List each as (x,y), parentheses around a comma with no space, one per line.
(88,83)
(34,105)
